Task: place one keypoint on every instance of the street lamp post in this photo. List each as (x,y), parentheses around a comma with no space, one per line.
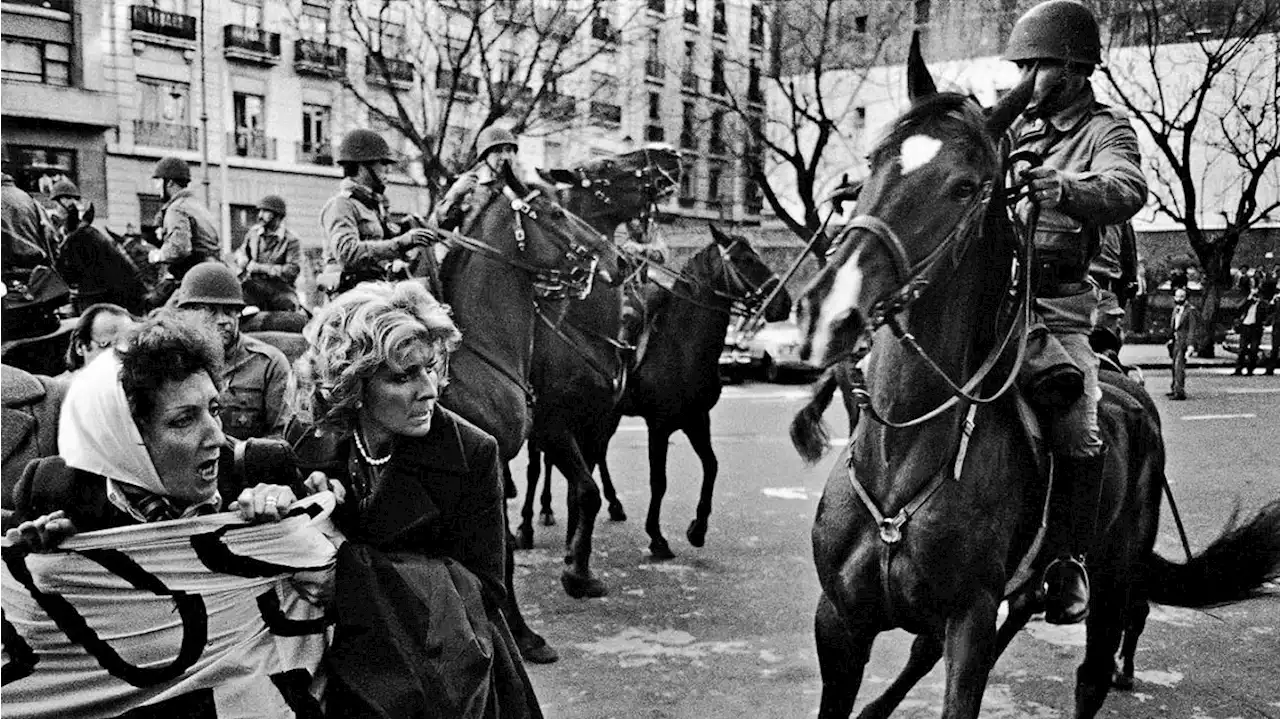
(204,114)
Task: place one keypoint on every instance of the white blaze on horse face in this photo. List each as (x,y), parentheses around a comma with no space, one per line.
(842,298)
(918,151)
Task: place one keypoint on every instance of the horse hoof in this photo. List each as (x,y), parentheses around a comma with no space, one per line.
(659,549)
(697,533)
(1122,681)
(534,648)
(547,519)
(616,513)
(579,587)
(525,538)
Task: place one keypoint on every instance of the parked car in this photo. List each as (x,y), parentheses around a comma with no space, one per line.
(1232,342)
(773,353)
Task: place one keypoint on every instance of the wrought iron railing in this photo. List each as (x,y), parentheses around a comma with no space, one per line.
(161,22)
(319,57)
(165,134)
(251,38)
(398,70)
(606,112)
(319,152)
(251,143)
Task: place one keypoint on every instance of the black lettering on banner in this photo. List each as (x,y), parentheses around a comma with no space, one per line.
(195,620)
(23,659)
(282,626)
(295,686)
(215,555)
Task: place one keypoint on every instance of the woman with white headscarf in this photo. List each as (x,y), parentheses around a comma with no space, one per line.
(140,441)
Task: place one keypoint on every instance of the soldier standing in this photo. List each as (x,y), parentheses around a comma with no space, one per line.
(188,234)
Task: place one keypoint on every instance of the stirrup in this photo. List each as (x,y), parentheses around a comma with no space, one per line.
(1066,590)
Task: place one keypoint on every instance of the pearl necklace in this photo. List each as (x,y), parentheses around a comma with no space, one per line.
(366,455)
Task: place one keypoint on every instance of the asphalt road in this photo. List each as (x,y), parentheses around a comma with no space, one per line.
(725,631)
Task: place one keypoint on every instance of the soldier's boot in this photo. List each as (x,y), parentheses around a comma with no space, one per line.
(1073,516)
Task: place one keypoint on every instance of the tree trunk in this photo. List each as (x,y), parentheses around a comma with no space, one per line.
(1209,310)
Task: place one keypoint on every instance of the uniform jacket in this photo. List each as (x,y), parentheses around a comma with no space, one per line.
(460,213)
(275,255)
(30,423)
(355,238)
(1096,151)
(188,233)
(29,236)
(256,376)
(428,543)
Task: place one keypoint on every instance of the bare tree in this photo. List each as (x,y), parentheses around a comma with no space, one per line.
(1201,78)
(438,72)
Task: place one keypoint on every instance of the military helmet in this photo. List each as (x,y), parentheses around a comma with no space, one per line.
(363,145)
(64,188)
(275,203)
(210,283)
(494,136)
(1058,29)
(172,168)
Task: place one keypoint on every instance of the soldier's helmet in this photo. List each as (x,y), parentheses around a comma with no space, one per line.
(1058,30)
(64,188)
(493,137)
(210,283)
(275,203)
(172,168)
(363,145)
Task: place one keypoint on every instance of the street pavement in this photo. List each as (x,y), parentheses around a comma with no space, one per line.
(725,631)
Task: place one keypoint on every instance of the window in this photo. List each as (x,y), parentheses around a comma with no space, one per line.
(658,6)
(922,11)
(314,22)
(164,101)
(757,24)
(174,6)
(718,85)
(719,21)
(316,125)
(242,218)
(717,133)
(30,60)
(688,131)
(245,13)
(860,24)
(688,182)
(390,40)
(689,78)
(248,111)
(752,198)
(715,174)
(29,164)
(859,117)
(691,12)
(653,66)
(602,28)
(655,106)
(754,93)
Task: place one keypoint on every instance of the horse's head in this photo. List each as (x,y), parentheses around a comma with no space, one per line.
(570,252)
(922,203)
(620,188)
(740,277)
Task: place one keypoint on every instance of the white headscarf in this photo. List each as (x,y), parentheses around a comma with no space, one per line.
(96,432)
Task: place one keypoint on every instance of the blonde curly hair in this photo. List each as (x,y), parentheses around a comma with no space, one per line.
(373,325)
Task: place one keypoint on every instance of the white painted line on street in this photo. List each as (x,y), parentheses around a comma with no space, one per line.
(1252,390)
(1192,417)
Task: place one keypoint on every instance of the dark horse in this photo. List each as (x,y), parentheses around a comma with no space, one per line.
(98,267)
(964,499)
(676,381)
(529,245)
(579,367)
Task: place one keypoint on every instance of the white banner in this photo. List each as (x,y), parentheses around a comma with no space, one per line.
(134,616)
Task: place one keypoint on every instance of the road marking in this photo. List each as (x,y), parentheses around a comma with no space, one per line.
(1252,390)
(1192,417)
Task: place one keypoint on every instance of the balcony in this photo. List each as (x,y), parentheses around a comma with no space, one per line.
(468,86)
(143,18)
(606,112)
(250,44)
(654,69)
(165,134)
(556,107)
(58,5)
(251,143)
(319,58)
(398,72)
(515,13)
(655,133)
(319,152)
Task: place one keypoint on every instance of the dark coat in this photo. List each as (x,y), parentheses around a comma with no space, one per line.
(428,545)
(30,423)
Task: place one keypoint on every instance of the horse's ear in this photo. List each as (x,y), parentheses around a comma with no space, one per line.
(558,176)
(721,238)
(87,218)
(1003,113)
(919,82)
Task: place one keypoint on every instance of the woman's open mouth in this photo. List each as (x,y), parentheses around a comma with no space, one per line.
(208,470)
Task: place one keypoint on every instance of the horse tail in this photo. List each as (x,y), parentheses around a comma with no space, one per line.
(809,433)
(1232,568)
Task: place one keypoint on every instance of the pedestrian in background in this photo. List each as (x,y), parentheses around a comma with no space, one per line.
(1250,321)
(270,259)
(1138,305)
(1183,325)
(1273,359)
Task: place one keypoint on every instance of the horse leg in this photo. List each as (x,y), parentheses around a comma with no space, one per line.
(616,512)
(699,433)
(658,438)
(1135,621)
(576,578)
(970,641)
(547,517)
(1107,609)
(1022,605)
(843,651)
(926,650)
(524,537)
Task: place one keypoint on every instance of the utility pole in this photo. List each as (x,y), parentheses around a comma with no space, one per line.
(204,114)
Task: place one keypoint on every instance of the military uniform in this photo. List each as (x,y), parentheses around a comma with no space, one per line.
(356,238)
(188,234)
(256,376)
(273,261)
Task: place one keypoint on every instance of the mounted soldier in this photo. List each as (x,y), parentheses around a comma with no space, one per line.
(1088,186)
(188,233)
(270,259)
(470,193)
(358,243)
(66,199)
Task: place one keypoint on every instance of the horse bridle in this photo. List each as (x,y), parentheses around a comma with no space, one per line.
(598,184)
(916,277)
(553,283)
